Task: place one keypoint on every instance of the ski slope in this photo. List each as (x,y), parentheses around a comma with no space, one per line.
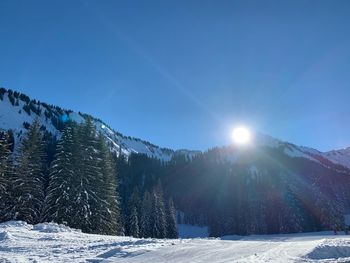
(21,242)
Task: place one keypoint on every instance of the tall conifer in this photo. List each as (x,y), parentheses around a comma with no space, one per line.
(171,220)
(59,206)
(28,185)
(5,178)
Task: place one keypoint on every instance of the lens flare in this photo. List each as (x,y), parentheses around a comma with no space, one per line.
(241,135)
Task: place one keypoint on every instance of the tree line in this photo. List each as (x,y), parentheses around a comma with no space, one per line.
(264,191)
(77,185)
(83,185)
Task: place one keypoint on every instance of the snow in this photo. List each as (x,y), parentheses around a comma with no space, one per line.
(52,228)
(295,153)
(73,116)
(48,242)
(341,157)
(289,149)
(232,154)
(331,249)
(12,117)
(5,236)
(266,140)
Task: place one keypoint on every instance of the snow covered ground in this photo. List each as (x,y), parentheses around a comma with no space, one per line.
(20,242)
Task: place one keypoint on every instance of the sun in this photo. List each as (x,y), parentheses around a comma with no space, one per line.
(241,135)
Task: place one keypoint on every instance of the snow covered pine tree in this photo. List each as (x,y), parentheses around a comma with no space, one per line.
(171,220)
(5,179)
(82,189)
(28,180)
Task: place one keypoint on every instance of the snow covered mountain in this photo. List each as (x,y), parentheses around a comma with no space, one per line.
(341,156)
(17,111)
(337,159)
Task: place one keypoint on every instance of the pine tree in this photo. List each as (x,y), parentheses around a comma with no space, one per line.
(146,216)
(59,205)
(5,179)
(133,204)
(28,186)
(134,223)
(87,179)
(73,179)
(171,229)
(82,190)
(4,161)
(107,207)
(158,219)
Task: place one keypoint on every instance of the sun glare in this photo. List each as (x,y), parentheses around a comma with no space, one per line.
(241,135)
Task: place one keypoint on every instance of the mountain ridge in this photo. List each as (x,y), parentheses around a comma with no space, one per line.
(17,110)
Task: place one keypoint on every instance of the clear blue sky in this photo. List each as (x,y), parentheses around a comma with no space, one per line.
(181,73)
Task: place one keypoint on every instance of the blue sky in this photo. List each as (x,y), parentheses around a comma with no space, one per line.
(181,74)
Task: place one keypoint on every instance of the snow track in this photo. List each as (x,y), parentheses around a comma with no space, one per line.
(20,242)
(244,250)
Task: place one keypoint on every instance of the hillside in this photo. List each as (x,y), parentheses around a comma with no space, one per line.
(18,110)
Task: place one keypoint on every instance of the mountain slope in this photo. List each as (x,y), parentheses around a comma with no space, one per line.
(341,156)
(18,110)
(261,189)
